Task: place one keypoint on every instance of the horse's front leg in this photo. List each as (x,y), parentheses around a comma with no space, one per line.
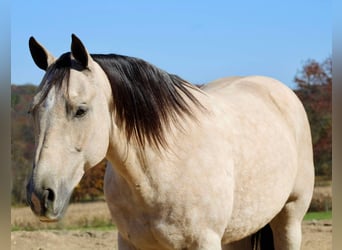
(123,244)
(209,241)
(244,244)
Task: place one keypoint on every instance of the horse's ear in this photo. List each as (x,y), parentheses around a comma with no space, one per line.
(78,51)
(40,55)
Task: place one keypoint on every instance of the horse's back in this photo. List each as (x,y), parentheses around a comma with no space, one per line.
(246,91)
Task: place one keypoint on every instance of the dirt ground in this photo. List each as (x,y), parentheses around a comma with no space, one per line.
(317,235)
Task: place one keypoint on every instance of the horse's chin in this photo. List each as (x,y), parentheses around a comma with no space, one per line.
(51,216)
(54,213)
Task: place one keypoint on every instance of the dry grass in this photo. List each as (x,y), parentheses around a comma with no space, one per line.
(322,199)
(81,215)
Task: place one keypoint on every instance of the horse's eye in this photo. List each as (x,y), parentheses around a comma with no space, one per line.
(81,111)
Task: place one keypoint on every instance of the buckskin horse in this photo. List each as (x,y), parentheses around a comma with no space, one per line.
(191,168)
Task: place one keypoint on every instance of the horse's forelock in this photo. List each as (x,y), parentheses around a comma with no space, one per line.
(57,75)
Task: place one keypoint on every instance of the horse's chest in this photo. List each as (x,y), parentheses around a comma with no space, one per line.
(145,232)
(138,232)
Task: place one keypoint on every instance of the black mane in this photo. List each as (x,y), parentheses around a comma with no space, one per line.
(146,99)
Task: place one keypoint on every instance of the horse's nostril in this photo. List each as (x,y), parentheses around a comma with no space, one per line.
(48,198)
(49,195)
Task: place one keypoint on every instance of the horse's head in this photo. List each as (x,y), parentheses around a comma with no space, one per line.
(71,114)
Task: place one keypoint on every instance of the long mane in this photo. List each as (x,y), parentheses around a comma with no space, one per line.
(146,98)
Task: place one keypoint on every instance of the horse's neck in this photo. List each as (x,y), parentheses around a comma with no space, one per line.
(133,165)
(138,166)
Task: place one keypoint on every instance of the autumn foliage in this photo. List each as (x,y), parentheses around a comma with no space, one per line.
(315,85)
(314,81)
(91,186)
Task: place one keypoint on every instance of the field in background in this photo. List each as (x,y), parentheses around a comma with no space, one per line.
(96,216)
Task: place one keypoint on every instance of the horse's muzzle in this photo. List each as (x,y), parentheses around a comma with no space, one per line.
(41,202)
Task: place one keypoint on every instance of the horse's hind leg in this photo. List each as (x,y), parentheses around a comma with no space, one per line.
(287,226)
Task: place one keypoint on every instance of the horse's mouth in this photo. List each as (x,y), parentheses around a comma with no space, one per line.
(48,220)
(51,215)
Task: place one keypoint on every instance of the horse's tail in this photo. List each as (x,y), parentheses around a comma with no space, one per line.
(263,239)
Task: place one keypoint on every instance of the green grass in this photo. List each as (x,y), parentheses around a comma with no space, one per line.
(99,228)
(318,216)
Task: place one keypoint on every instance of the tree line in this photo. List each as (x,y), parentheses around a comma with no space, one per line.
(314,85)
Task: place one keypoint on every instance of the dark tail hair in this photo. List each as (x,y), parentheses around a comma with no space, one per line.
(263,239)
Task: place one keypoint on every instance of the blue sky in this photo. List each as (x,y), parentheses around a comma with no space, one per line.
(197,40)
